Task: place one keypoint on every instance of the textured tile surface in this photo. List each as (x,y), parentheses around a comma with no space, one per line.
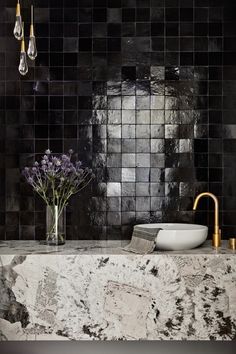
(143,91)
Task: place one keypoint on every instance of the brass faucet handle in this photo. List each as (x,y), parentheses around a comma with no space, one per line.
(232,243)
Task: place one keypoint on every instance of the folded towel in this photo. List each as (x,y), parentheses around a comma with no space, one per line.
(143,240)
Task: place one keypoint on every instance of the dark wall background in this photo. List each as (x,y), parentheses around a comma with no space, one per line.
(143,90)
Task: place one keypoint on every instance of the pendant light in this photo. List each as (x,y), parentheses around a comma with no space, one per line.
(32,49)
(23,66)
(18,29)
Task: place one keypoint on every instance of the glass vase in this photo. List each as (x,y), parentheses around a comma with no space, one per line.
(55,226)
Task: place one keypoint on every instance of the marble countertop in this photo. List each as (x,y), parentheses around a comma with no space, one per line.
(94,290)
(93,247)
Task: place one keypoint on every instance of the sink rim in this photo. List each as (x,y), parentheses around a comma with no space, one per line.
(174,226)
(177,236)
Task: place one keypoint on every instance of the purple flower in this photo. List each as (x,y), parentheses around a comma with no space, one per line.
(30,180)
(64,157)
(56,178)
(56,161)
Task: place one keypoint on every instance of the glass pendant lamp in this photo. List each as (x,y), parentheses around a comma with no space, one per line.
(23,66)
(32,49)
(18,29)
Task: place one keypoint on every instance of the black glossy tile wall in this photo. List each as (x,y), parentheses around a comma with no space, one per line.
(143,90)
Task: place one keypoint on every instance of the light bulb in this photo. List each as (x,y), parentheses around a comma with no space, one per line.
(18,29)
(23,66)
(32,49)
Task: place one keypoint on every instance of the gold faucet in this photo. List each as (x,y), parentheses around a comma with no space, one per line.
(216,237)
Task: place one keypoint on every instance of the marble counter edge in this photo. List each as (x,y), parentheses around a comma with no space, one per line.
(101,248)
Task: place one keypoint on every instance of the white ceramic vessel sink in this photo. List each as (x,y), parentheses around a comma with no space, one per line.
(178,237)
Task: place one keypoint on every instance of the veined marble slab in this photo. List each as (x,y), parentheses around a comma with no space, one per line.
(89,247)
(93,290)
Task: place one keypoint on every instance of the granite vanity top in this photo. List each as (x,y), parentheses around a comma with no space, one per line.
(93,247)
(94,290)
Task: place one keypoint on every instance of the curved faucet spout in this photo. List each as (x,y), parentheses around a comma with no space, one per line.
(216,240)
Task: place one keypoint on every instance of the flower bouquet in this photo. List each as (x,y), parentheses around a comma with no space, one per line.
(56,179)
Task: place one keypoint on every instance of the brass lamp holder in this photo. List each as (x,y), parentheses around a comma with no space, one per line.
(22,48)
(18,8)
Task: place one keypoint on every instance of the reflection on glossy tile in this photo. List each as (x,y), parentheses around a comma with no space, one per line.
(144,92)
